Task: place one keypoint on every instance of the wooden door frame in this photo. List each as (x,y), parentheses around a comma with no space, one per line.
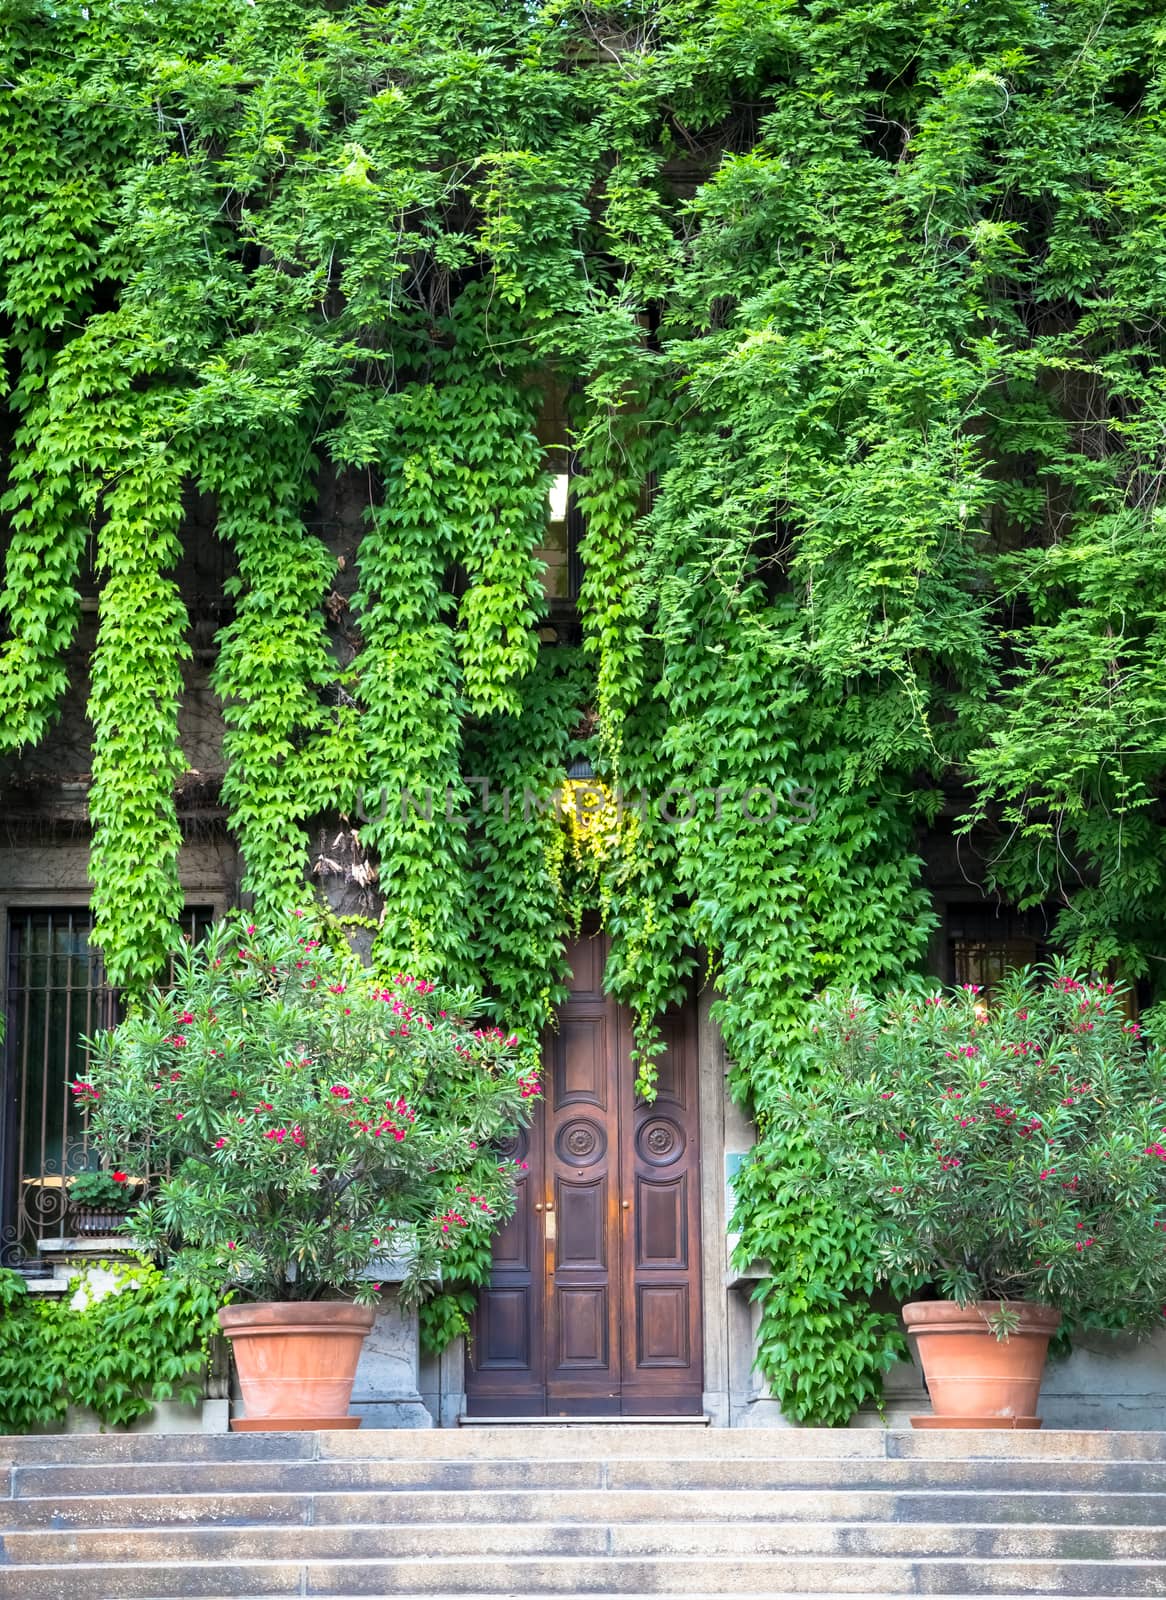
(725,1317)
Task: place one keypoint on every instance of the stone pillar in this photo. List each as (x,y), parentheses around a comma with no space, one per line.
(443,1384)
(387,1392)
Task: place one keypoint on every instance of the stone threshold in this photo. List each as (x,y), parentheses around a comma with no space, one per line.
(702,1421)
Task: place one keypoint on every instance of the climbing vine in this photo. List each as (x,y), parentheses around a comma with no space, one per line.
(857,312)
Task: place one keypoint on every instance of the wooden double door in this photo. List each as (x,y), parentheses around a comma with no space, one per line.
(593,1306)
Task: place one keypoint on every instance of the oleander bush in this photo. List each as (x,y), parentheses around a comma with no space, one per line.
(302,1120)
(1005,1150)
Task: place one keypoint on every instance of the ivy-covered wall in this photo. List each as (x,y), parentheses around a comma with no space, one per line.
(856,309)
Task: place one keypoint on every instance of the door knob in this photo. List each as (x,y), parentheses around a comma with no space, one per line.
(627,1205)
(538,1205)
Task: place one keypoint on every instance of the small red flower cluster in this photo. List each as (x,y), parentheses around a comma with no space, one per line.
(280,1134)
(475,1200)
(405,980)
(451,1219)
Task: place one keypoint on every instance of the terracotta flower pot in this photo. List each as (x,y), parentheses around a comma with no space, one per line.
(974,1379)
(296,1362)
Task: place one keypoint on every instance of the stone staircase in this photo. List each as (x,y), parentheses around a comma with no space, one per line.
(589,1510)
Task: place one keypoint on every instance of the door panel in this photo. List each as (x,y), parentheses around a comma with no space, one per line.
(662,1372)
(594,1301)
(505,1358)
(662,1326)
(662,1223)
(582,1225)
(505,1328)
(582,1055)
(583,1328)
(580,1129)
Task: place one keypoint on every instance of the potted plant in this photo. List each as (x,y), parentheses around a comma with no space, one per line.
(1012,1157)
(99,1201)
(277,1085)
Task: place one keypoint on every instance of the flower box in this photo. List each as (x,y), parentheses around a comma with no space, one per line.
(94,1221)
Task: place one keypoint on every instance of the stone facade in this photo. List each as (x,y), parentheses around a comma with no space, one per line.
(1108,1382)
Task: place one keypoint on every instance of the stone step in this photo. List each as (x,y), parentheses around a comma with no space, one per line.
(659,1506)
(585,1511)
(598,1540)
(434,1575)
(98,1479)
(618,1441)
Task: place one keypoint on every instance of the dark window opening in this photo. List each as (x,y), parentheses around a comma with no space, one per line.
(57,996)
(984,943)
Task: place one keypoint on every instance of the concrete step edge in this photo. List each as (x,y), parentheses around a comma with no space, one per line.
(650,1441)
(35,1482)
(681,1460)
(553,1525)
(339,1578)
(428,1561)
(912,1486)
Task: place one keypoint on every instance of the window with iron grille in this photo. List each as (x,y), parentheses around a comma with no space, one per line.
(56,997)
(984,943)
